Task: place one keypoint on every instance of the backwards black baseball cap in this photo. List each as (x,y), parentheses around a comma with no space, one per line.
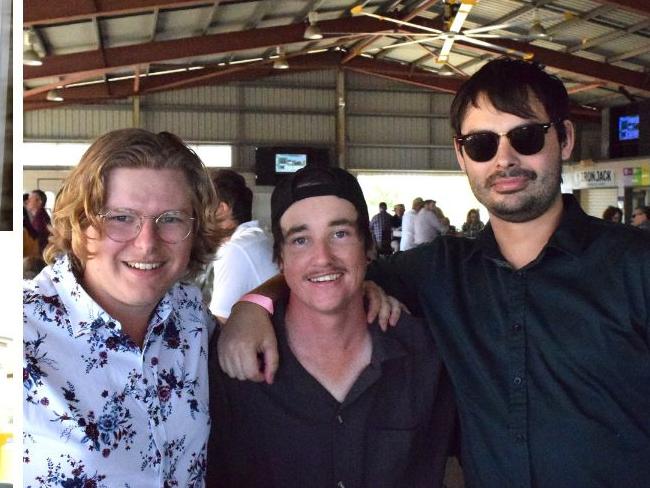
(316,181)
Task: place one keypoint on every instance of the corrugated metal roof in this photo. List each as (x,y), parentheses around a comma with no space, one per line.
(84,47)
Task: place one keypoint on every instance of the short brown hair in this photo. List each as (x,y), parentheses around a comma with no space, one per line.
(83,194)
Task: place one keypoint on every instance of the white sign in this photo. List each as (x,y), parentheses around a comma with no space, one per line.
(594,178)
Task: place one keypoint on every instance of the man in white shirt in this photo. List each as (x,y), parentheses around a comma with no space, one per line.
(115,373)
(427,226)
(408,225)
(245,259)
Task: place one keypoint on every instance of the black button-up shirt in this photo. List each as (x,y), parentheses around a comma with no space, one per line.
(550,363)
(392,430)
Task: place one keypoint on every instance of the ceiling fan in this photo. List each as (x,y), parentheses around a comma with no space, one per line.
(455,13)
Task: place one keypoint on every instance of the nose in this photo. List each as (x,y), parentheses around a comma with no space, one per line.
(506,156)
(147,238)
(322,252)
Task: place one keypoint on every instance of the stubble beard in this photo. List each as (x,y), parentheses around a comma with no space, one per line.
(527,204)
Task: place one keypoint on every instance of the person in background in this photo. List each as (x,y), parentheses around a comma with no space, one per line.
(613,214)
(350,406)
(38,218)
(408,225)
(115,373)
(32,265)
(380,225)
(396,226)
(546,337)
(641,218)
(428,224)
(245,258)
(473,224)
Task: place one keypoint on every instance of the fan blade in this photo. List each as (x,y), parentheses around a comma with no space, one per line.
(461,15)
(491,46)
(399,22)
(514,37)
(406,43)
(446,49)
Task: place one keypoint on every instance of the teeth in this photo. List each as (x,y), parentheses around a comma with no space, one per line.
(328,277)
(144,266)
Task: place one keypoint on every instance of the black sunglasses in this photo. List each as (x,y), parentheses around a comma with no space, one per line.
(526,140)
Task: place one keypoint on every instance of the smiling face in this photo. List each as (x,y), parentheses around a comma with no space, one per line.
(129,278)
(323,258)
(514,187)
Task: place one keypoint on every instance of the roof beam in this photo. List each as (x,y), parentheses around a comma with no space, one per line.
(404,74)
(170,50)
(577,19)
(596,41)
(577,64)
(41,12)
(93,93)
(638,6)
(629,54)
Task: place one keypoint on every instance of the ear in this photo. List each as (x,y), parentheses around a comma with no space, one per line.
(459,156)
(567,146)
(223,210)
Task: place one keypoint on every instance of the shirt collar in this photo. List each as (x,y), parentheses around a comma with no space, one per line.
(572,235)
(384,347)
(86,315)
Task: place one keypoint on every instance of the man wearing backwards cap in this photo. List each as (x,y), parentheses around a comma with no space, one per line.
(350,406)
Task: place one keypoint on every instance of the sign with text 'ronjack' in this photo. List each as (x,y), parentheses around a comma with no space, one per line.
(594,178)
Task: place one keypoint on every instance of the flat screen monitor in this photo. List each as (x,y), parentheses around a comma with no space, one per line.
(289,163)
(628,127)
(272,163)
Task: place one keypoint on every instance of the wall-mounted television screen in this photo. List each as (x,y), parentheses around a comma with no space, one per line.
(628,127)
(289,163)
(275,162)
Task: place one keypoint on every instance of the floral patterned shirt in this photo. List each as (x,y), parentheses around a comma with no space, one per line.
(99,411)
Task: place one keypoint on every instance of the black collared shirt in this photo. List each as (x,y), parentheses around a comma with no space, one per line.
(550,364)
(392,430)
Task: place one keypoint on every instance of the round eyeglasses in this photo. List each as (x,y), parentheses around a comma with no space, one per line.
(123,225)
(526,139)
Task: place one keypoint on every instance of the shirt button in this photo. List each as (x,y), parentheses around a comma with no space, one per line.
(517,380)
(516,327)
(340,419)
(520,437)
(340,484)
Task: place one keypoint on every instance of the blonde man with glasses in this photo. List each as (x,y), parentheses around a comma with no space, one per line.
(115,344)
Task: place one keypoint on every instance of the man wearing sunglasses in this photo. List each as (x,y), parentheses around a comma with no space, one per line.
(543,320)
(115,346)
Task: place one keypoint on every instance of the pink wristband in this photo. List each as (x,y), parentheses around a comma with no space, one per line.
(260,300)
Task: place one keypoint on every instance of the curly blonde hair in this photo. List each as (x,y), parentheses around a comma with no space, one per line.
(83,194)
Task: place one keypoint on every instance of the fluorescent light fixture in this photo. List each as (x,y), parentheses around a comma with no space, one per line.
(242,61)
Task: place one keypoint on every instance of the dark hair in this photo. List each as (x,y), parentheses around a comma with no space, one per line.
(316,181)
(509,84)
(232,190)
(610,212)
(383,206)
(41,194)
(25,197)
(645,209)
